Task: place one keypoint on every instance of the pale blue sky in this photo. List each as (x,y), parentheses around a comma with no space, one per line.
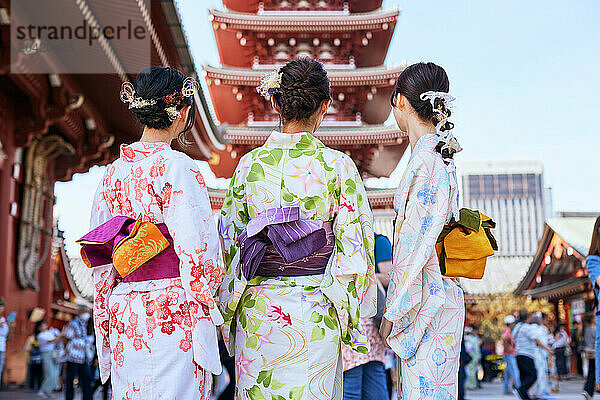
(526,75)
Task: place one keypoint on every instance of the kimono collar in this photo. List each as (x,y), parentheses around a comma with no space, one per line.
(301,140)
(138,151)
(426,142)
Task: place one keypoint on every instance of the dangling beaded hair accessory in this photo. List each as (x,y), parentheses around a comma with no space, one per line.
(171,101)
(450,144)
(447,140)
(269,84)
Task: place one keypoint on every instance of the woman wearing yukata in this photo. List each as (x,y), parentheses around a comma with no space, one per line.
(153,249)
(297,239)
(424,315)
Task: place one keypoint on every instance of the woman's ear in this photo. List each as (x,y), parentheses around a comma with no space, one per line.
(275,105)
(184,113)
(400,101)
(325,106)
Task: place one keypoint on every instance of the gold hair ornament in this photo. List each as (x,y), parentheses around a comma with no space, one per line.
(128,96)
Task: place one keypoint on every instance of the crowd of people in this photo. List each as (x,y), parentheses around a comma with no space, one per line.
(536,355)
(57,359)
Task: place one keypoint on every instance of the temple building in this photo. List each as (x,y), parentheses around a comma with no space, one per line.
(557,272)
(52,126)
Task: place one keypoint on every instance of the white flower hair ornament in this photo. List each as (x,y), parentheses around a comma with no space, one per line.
(450,144)
(269,84)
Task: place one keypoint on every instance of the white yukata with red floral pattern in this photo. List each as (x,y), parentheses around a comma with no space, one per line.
(157,339)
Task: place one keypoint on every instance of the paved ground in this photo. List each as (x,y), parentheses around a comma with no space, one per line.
(570,390)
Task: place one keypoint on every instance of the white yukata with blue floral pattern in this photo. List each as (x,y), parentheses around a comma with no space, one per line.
(426,309)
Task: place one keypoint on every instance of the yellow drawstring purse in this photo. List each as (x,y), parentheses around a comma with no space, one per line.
(464,245)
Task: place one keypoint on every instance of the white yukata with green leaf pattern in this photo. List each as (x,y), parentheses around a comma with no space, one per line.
(286,332)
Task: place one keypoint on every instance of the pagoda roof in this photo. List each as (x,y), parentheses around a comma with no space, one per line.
(304,22)
(362,135)
(380,75)
(379,198)
(252,6)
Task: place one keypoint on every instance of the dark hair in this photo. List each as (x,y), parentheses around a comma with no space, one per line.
(154,83)
(420,78)
(304,87)
(595,244)
(523,315)
(38,327)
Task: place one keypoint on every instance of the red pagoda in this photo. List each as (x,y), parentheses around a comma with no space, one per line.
(350,37)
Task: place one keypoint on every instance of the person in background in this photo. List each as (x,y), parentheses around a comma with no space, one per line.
(577,343)
(33,357)
(383,267)
(561,343)
(77,363)
(589,352)
(465,358)
(47,339)
(487,351)
(527,338)
(592,263)
(542,387)
(5,328)
(511,373)
(473,347)
(364,374)
(93,356)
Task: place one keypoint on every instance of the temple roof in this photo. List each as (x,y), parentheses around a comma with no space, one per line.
(99,123)
(367,134)
(253,6)
(379,198)
(380,75)
(299,22)
(552,261)
(359,95)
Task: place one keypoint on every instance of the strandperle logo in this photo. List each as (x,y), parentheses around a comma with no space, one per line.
(80,36)
(84,31)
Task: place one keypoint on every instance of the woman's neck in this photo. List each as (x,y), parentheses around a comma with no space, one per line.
(151,135)
(298,127)
(417,129)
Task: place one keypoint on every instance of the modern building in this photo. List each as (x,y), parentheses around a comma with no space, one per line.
(512,193)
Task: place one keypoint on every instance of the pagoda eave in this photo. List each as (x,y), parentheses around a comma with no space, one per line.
(363,90)
(335,137)
(378,76)
(253,6)
(305,22)
(378,198)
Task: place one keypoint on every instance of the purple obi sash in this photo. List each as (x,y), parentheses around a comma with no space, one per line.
(139,251)
(278,243)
